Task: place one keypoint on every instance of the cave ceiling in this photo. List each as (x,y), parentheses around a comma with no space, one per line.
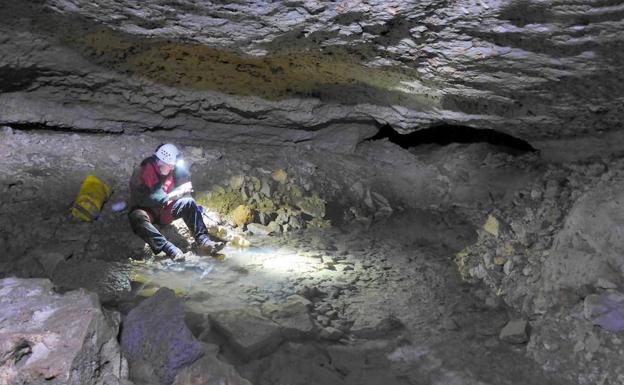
(538,70)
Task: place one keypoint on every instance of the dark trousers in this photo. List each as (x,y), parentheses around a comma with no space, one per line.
(184,208)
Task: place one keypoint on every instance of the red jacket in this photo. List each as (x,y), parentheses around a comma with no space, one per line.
(149,189)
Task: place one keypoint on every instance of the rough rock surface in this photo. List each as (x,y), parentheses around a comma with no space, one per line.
(516,332)
(46,337)
(156,341)
(378,286)
(536,70)
(551,260)
(249,333)
(209,370)
(591,244)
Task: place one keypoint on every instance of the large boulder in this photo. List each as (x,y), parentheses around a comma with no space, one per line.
(293,316)
(52,338)
(247,331)
(156,341)
(591,244)
(209,370)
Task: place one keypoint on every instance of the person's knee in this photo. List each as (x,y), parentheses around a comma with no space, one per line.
(184,203)
(138,217)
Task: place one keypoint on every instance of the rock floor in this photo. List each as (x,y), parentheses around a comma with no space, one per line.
(378,299)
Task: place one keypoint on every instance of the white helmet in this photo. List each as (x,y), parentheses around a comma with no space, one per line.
(168,153)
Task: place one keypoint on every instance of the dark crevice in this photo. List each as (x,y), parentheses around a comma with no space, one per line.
(16,79)
(43,127)
(447,134)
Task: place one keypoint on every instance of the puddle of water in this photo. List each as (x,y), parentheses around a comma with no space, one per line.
(202,278)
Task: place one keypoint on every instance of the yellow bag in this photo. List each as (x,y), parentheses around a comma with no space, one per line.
(92,196)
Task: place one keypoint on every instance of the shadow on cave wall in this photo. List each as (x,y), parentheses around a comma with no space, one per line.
(447,134)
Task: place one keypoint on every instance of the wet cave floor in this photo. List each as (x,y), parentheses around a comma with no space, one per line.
(374,297)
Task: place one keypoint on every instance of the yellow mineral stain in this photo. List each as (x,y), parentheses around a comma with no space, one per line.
(139,278)
(508,249)
(150,291)
(306,72)
(499,261)
(280,176)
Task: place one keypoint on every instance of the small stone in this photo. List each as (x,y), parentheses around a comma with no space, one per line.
(492,225)
(263,218)
(515,332)
(331,333)
(323,320)
(266,187)
(275,227)
(236,182)
(605,284)
(242,215)
(536,194)
(605,310)
(295,222)
(258,229)
(197,152)
(280,176)
(478,272)
(508,267)
(313,206)
(500,261)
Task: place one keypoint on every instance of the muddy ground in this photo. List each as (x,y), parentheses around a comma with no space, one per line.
(420,259)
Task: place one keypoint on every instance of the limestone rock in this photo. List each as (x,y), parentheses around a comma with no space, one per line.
(591,242)
(156,341)
(605,284)
(313,206)
(266,189)
(247,331)
(275,227)
(331,333)
(492,225)
(209,370)
(258,229)
(374,325)
(515,332)
(242,215)
(236,182)
(605,310)
(293,316)
(51,338)
(280,176)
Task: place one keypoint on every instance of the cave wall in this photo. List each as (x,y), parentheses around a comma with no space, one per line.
(279,71)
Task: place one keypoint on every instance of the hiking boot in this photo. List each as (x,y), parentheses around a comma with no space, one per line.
(173,252)
(207,246)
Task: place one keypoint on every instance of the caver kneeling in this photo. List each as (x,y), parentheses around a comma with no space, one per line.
(160,191)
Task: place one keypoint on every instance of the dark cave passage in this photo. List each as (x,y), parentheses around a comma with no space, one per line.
(447,134)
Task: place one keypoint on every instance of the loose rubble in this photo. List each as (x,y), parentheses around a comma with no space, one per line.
(375,283)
